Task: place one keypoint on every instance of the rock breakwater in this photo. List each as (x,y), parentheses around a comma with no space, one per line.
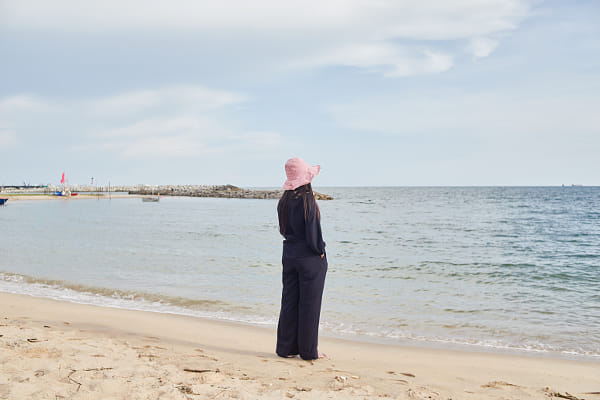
(226,191)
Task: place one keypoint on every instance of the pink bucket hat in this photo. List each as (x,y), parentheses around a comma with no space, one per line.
(299,173)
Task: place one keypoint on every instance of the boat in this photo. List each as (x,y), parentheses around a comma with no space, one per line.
(66,192)
(3,202)
(152,198)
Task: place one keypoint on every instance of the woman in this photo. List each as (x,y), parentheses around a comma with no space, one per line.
(304,263)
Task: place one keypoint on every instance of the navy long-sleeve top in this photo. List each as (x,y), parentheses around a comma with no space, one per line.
(303,236)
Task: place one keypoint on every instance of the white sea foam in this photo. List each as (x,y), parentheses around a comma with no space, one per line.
(16,284)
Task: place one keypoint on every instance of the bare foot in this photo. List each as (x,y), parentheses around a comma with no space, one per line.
(322,355)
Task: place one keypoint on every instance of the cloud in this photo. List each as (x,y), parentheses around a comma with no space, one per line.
(164,147)
(387,59)
(482,47)
(416,19)
(126,103)
(192,97)
(154,127)
(23,103)
(393,37)
(19,110)
(170,122)
(183,124)
(163,137)
(182,137)
(7,138)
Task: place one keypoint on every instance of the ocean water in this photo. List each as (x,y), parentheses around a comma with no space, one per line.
(512,269)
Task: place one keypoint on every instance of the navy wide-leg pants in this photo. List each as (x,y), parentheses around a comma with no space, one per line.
(298,328)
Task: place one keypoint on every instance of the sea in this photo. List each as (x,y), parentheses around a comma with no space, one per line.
(492,269)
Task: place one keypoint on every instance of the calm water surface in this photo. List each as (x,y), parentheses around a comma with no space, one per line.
(489,268)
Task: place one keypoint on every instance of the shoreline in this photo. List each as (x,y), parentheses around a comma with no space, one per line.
(54,348)
(121,300)
(149,305)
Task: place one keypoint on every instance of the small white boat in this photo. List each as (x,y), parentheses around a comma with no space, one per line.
(152,198)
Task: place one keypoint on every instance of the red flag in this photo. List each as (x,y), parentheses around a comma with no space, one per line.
(62,180)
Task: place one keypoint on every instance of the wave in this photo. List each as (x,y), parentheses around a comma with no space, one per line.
(128,299)
(404,337)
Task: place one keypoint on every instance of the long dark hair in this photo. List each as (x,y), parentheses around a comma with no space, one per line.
(310,204)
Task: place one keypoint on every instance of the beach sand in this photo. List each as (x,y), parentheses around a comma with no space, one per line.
(59,350)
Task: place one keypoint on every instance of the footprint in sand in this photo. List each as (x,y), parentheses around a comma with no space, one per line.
(402,381)
(422,393)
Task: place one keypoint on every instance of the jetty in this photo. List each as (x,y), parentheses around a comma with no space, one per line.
(218,191)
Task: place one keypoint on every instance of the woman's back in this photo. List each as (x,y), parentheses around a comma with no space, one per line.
(299,223)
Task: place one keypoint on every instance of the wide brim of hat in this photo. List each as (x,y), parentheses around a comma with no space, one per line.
(292,184)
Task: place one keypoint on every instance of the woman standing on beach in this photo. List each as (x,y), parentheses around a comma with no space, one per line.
(304,263)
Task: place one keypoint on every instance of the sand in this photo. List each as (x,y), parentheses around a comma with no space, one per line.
(59,350)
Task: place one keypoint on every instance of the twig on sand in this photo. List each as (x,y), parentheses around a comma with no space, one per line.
(566,395)
(97,369)
(73,380)
(200,371)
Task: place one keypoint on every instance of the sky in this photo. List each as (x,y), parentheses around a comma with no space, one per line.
(378,92)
